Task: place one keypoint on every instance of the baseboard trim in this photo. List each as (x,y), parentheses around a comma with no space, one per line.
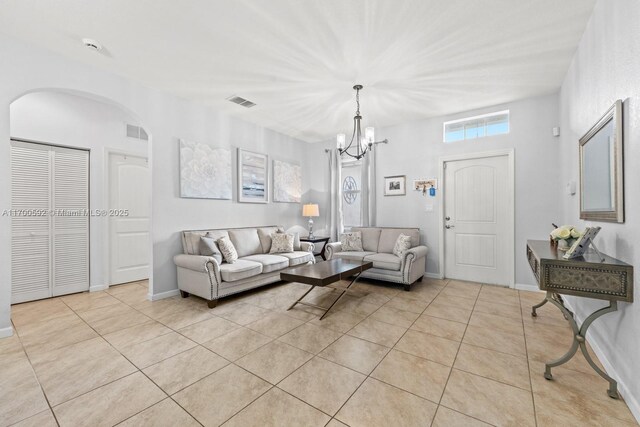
(98,288)
(530,288)
(631,401)
(434,276)
(163,295)
(6,332)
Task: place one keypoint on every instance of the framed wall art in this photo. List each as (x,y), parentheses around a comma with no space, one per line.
(287,182)
(253,177)
(395,185)
(205,171)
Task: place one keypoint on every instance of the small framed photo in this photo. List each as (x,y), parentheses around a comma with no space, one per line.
(395,185)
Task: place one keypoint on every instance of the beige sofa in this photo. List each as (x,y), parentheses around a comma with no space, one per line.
(205,277)
(377,245)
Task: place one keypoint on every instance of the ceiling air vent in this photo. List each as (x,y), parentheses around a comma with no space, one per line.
(137,132)
(241,101)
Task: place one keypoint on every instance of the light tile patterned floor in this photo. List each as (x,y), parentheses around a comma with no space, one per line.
(447,353)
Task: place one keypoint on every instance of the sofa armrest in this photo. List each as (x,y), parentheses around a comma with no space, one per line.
(307,246)
(416,252)
(202,264)
(332,248)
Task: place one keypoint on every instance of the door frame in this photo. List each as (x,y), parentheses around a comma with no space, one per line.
(106,200)
(510,154)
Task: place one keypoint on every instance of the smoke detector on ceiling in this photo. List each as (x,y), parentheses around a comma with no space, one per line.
(92,44)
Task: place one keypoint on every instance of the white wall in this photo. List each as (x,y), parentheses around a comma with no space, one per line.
(605,68)
(167,119)
(74,121)
(414,150)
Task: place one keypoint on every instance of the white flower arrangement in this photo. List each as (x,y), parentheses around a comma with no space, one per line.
(566,232)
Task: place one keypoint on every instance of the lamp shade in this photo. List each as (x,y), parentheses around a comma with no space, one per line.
(310,210)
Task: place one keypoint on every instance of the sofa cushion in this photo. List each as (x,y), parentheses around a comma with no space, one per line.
(352,255)
(388,237)
(241,269)
(246,241)
(227,249)
(281,243)
(385,261)
(209,247)
(370,237)
(264,234)
(351,241)
(298,257)
(403,244)
(269,262)
(191,242)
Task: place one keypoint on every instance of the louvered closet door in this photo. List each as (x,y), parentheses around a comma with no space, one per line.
(70,231)
(30,234)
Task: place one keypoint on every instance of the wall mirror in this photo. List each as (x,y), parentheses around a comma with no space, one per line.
(601,164)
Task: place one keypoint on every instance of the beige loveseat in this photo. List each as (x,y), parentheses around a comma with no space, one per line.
(205,277)
(377,245)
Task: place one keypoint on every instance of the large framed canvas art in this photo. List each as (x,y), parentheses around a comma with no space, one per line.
(205,171)
(287,182)
(253,177)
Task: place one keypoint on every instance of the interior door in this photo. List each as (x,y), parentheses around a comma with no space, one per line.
(50,226)
(70,225)
(477,210)
(130,192)
(30,236)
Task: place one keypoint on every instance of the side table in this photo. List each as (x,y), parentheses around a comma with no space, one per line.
(323,240)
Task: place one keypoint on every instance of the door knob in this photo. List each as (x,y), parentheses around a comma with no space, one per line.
(448,218)
(449,226)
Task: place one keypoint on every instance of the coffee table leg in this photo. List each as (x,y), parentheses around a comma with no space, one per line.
(300,299)
(340,297)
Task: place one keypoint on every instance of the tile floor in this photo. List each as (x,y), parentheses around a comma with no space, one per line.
(447,353)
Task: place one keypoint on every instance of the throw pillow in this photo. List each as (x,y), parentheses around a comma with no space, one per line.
(208,247)
(351,241)
(228,250)
(281,243)
(403,244)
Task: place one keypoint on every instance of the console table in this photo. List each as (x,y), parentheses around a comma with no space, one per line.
(585,276)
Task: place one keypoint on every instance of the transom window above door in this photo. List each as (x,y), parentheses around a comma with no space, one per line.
(476,127)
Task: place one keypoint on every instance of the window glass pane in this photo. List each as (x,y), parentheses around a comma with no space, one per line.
(351,197)
(477,127)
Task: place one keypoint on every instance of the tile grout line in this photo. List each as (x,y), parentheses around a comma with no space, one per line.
(383,358)
(526,348)
(444,389)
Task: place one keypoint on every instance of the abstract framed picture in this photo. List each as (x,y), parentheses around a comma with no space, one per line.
(205,171)
(287,182)
(253,177)
(395,185)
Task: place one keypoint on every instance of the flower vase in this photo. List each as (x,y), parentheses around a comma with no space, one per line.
(564,245)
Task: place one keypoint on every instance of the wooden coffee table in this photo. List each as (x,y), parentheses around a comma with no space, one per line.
(323,274)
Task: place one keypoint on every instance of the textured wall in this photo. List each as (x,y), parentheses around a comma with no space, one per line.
(414,150)
(606,67)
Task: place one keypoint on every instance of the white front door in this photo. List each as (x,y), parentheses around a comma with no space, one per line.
(477,209)
(129,191)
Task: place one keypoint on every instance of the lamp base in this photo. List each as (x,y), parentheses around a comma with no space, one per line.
(311,228)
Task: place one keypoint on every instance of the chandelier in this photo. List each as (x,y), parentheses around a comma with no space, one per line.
(363,143)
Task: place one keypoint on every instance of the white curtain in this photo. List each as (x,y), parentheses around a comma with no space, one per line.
(336,223)
(368,190)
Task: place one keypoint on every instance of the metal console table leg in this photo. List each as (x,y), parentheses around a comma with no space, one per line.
(579,340)
(537,306)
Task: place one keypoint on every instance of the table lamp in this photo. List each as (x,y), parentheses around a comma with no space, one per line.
(310,211)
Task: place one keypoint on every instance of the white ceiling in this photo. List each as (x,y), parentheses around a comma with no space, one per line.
(298,59)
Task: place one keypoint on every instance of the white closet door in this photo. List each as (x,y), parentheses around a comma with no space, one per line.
(30,225)
(70,229)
